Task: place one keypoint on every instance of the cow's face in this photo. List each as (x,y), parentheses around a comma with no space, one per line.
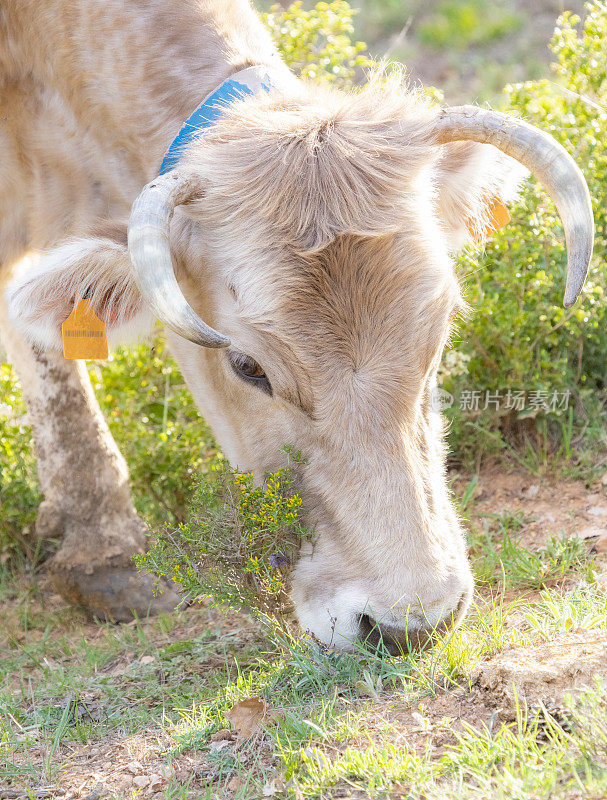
(336,354)
(318,248)
(318,241)
(321,249)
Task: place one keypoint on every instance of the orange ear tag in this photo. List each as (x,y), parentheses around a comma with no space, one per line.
(497,217)
(84,333)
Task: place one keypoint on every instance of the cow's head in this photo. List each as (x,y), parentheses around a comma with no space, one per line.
(316,233)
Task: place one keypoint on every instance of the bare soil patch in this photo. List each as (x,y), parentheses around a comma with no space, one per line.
(550,506)
(546,673)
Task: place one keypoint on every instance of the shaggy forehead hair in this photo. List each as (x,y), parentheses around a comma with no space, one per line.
(320,163)
(322,210)
(369,321)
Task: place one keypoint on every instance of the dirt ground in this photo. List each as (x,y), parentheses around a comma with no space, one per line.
(119,765)
(549,507)
(136,765)
(546,672)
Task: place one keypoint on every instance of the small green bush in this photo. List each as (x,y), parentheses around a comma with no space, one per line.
(240,541)
(19,495)
(519,336)
(317,44)
(157,426)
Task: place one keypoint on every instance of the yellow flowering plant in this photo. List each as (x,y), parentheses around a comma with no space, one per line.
(317,42)
(240,541)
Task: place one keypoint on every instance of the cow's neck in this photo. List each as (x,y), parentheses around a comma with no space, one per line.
(132,70)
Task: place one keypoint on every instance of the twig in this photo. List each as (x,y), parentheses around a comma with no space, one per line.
(399,39)
(13,794)
(488,360)
(579,360)
(583,97)
(565,319)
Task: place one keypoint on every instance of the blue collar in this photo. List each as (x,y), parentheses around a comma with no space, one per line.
(243,83)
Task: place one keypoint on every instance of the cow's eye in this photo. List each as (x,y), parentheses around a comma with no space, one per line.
(249,370)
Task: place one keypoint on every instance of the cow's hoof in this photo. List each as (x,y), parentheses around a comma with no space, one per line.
(115,594)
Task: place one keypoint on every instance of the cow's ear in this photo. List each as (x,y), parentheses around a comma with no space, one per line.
(474,184)
(41,299)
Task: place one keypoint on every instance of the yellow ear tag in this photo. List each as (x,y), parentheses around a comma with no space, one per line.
(497,217)
(84,333)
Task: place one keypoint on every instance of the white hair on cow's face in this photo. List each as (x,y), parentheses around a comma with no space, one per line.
(315,165)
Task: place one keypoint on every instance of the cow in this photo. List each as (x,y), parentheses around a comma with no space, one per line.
(299,250)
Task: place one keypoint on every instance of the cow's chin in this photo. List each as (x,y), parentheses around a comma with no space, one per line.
(334,620)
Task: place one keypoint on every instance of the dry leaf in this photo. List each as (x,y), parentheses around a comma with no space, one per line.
(218,736)
(246,716)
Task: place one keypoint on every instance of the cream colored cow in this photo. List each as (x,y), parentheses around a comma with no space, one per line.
(312,228)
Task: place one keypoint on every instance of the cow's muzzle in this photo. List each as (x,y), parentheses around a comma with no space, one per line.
(397,641)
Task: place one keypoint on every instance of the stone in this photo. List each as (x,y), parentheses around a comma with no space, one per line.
(597,511)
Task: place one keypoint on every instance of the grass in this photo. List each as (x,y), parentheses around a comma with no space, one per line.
(496,551)
(154,697)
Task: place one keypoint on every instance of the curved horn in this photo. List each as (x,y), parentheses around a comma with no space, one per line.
(548,161)
(150,253)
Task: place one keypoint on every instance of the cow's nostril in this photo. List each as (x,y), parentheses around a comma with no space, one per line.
(396,641)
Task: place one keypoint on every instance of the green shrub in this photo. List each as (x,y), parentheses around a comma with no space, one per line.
(318,44)
(239,543)
(519,336)
(157,427)
(19,496)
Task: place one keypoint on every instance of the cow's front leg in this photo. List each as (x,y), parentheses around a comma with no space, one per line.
(84,480)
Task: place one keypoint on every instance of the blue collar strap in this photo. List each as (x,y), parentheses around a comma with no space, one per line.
(241,84)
